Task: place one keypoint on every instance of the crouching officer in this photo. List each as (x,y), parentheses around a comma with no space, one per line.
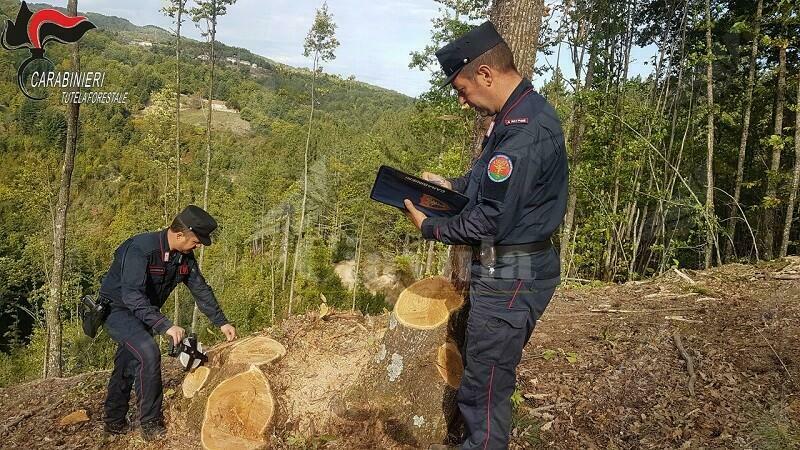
(517,193)
(146,269)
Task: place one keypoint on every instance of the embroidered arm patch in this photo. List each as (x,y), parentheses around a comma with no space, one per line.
(498,172)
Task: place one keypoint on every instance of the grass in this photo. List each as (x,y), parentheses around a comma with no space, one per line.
(221,120)
(775,431)
(702,290)
(524,428)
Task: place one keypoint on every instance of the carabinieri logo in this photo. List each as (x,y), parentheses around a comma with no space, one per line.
(34,30)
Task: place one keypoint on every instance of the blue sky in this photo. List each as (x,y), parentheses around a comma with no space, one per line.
(376,36)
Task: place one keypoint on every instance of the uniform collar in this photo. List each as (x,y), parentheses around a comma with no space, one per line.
(522,88)
(163,243)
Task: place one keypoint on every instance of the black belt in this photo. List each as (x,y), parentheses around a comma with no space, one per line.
(515,249)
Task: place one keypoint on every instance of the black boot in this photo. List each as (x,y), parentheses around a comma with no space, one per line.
(153,430)
(116,427)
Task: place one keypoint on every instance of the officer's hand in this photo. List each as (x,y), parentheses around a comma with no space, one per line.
(416,216)
(229,331)
(436,179)
(177,333)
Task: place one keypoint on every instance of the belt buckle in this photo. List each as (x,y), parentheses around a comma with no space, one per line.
(487,255)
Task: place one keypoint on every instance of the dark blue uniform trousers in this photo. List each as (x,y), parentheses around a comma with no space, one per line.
(502,316)
(137,364)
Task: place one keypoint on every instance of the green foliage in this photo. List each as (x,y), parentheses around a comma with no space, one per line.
(550,354)
(639,170)
(321,41)
(124,184)
(516,399)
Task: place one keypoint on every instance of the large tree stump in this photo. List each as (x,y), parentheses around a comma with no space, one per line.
(410,383)
(230,401)
(238,412)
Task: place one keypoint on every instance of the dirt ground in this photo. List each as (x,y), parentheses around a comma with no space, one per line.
(602,371)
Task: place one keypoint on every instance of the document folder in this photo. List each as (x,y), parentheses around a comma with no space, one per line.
(393,186)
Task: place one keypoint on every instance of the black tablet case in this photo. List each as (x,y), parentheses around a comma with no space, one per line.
(393,186)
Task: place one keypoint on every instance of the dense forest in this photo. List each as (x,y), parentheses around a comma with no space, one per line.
(694,165)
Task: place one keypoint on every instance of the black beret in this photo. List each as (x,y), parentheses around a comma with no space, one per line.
(457,54)
(199,222)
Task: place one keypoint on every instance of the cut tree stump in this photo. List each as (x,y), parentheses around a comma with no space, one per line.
(259,350)
(238,412)
(410,383)
(194,381)
(229,375)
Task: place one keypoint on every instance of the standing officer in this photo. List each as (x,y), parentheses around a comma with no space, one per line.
(517,193)
(146,269)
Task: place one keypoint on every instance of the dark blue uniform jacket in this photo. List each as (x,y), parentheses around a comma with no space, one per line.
(145,272)
(518,186)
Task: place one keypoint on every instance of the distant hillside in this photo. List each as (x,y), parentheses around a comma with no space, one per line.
(160,39)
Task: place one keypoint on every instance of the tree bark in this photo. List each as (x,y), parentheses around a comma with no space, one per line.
(179,17)
(737,190)
(358,259)
(787,225)
(410,383)
(299,245)
(519,22)
(429,259)
(710,233)
(272,280)
(53,366)
(772,175)
(285,248)
(212,38)
(576,140)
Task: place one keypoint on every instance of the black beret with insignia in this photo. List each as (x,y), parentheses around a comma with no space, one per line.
(457,54)
(199,222)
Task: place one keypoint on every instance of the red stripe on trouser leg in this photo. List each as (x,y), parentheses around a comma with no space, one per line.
(489,411)
(515,294)
(141,379)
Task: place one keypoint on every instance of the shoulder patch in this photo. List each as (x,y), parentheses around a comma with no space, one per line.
(499,168)
(516,121)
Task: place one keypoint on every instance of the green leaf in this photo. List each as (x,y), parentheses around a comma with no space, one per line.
(549,354)
(739,27)
(516,398)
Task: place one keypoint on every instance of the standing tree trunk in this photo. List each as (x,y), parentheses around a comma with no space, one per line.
(737,190)
(272,280)
(179,18)
(53,366)
(575,139)
(519,21)
(285,247)
(787,225)
(358,259)
(777,148)
(212,33)
(410,382)
(710,233)
(429,259)
(299,245)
